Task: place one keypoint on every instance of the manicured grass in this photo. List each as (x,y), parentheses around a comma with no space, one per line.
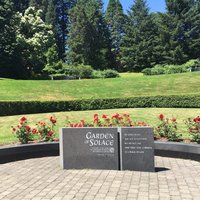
(149,116)
(128,85)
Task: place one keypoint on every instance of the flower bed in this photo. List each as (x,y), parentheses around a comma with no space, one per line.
(166,130)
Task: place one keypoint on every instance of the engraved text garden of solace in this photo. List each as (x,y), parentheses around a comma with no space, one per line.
(99,139)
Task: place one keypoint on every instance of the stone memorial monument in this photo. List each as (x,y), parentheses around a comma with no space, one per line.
(125,148)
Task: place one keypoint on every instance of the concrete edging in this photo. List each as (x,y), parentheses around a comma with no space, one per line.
(26,151)
(177,150)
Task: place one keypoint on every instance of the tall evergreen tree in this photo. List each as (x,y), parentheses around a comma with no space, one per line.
(138,42)
(89,42)
(50,16)
(62,15)
(116,19)
(33,3)
(179,30)
(20,5)
(10,60)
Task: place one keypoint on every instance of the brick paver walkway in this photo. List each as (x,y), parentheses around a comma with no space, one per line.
(44,179)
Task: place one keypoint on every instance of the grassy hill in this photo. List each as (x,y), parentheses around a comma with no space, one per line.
(128,85)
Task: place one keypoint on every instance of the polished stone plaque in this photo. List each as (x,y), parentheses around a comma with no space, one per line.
(137,149)
(89,148)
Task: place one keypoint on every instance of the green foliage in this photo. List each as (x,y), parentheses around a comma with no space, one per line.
(192,64)
(9,54)
(46,130)
(23,132)
(53,64)
(81,71)
(157,70)
(84,34)
(147,71)
(62,25)
(27,107)
(34,38)
(88,40)
(178,29)
(194,128)
(167,128)
(138,42)
(109,73)
(84,71)
(116,19)
(97,74)
(172,69)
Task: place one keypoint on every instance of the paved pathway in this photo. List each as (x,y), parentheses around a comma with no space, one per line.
(43,179)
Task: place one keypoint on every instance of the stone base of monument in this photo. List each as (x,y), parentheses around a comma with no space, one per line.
(107,148)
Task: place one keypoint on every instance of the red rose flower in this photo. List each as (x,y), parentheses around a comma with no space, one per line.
(23,119)
(107,119)
(173,120)
(96,115)
(104,116)
(120,118)
(28,128)
(53,120)
(161,116)
(34,131)
(96,119)
(50,134)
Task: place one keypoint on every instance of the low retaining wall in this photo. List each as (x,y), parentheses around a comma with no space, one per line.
(178,150)
(165,149)
(26,151)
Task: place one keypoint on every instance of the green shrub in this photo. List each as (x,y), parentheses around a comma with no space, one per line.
(58,76)
(191,64)
(157,70)
(167,128)
(193,125)
(97,74)
(28,107)
(166,69)
(23,131)
(55,68)
(173,69)
(84,71)
(147,71)
(69,70)
(109,73)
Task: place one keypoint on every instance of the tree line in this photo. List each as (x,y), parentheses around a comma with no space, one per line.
(38,36)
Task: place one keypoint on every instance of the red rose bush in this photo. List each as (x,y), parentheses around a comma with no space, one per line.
(167,128)
(194,128)
(44,130)
(23,131)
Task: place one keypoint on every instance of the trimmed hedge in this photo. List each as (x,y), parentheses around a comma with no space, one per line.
(30,107)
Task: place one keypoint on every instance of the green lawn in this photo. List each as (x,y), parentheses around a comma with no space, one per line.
(149,115)
(128,85)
